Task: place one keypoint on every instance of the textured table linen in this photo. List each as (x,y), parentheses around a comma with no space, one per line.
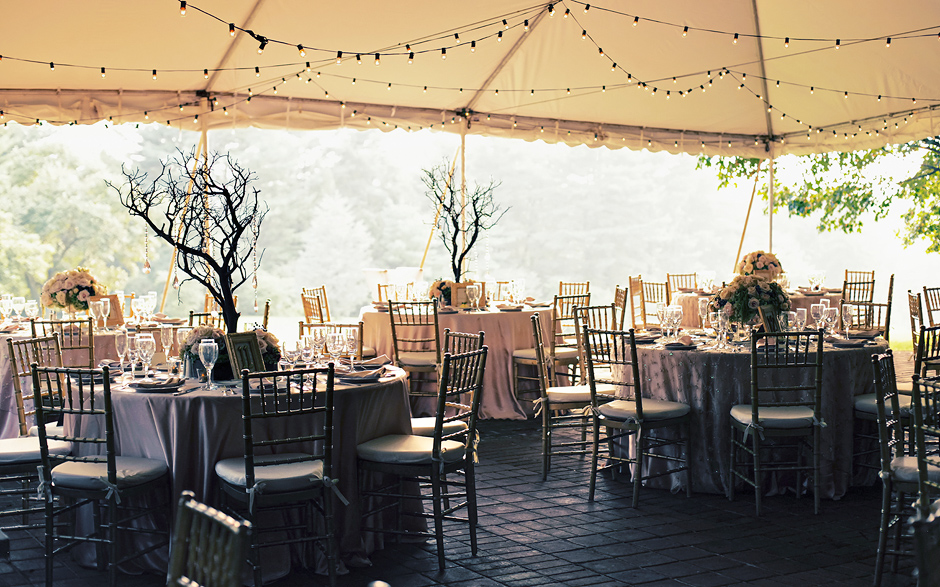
(192,432)
(711,382)
(505,332)
(689,303)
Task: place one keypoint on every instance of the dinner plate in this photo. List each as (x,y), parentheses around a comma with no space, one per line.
(447,311)
(167,387)
(645,339)
(368,379)
(849,345)
(813,293)
(680,347)
(510,309)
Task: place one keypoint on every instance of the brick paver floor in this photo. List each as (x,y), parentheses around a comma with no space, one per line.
(546,533)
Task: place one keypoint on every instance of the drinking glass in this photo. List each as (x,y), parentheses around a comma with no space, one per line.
(703,310)
(713,322)
(800,319)
(817,312)
(661,314)
(723,324)
(19,302)
(825,303)
(335,343)
(6,305)
(319,341)
(120,345)
(94,309)
(401,292)
(793,322)
(473,294)
(783,280)
(31,309)
(674,319)
(146,347)
(307,354)
(848,316)
(421,290)
(352,344)
(784,321)
(166,341)
(105,312)
(137,309)
(832,315)
(209,354)
(517,290)
(132,354)
(150,304)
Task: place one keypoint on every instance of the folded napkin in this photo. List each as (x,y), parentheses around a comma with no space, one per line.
(684,340)
(447,309)
(371,375)
(171,382)
(159,316)
(10,328)
(509,306)
(377,361)
(864,333)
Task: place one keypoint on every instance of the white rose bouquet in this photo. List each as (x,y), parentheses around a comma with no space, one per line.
(440,290)
(760,261)
(741,298)
(70,290)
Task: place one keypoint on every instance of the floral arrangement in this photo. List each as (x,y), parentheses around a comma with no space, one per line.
(440,290)
(270,346)
(760,261)
(70,290)
(741,298)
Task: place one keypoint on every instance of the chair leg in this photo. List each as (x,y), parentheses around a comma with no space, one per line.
(438,519)
(640,444)
(595,449)
(758,486)
(816,469)
(883,531)
(471,487)
(546,440)
(112,541)
(897,532)
(331,559)
(50,538)
(731,466)
(688,459)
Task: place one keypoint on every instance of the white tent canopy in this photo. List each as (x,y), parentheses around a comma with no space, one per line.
(742,77)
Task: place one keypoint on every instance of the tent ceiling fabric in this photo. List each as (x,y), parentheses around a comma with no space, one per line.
(547,82)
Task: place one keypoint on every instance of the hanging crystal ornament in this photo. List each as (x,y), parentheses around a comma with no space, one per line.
(176,277)
(146,268)
(254,259)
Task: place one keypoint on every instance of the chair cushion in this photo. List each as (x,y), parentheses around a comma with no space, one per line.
(418,358)
(868,403)
(905,470)
(368,352)
(277,478)
(569,394)
(52,428)
(131,471)
(26,449)
(425,426)
(566,354)
(653,409)
(776,417)
(407,449)
(905,386)
(524,354)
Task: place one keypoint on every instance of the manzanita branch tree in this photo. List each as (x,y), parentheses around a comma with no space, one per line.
(457,217)
(213,225)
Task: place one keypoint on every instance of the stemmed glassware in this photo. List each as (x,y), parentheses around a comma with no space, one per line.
(209,354)
(94,309)
(19,303)
(848,316)
(661,315)
(146,347)
(792,324)
(132,353)
(319,342)
(674,319)
(105,312)
(352,345)
(800,319)
(151,304)
(473,294)
(166,341)
(6,305)
(830,318)
(517,290)
(31,309)
(307,354)
(817,311)
(703,310)
(120,345)
(335,343)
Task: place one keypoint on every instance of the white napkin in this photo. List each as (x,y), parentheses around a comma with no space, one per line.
(365,375)
(509,306)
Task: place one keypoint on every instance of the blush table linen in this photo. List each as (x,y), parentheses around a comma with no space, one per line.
(505,332)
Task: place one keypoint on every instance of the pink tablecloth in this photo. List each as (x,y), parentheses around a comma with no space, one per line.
(504,333)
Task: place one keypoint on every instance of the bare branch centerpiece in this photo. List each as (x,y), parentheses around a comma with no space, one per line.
(206,208)
(461,219)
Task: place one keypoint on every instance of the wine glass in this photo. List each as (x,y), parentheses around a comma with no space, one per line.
(319,341)
(19,302)
(800,319)
(783,280)
(6,305)
(137,309)
(825,302)
(703,310)
(713,322)
(793,322)
(335,343)
(132,354)
(150,304)
(31,309)
(105,312)
(146,347)
(661,314)
(722,320)
(830,318)
(307,353)
(817,312)
(166,341)
(783,319)
(473,294)
(401,292)
(517,290)
(120,345)
(674,319)
(209,354)
(848,316)
(352,345)
(94,309)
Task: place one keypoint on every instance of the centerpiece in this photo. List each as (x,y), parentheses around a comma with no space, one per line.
(747,295)
(189,352)
(441,290)
(761,264)
(70,290)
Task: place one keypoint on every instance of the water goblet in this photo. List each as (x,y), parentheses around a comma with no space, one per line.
(793,322)
(661,314)
(105,312)
(209,354)
(473,294)
(713,322)
(146,347)
(703,310)
(352,345)
(848,316)
(120,345)
(800,319)
(151,304)
(825,302)
(31,309)
(335,343)
(132,354)
(817,312)
(6,305)
(19,303)
(517,290)
(307,354)
(319,342)
(723,324)
(94,310)
(166,341)
(674,319)
(832,315)
(783,319)
(401,292)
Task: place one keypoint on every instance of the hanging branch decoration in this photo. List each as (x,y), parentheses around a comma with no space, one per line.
(479,210)
(213,228)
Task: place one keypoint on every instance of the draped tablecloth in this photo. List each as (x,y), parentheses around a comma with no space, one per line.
(505,332)
(191,432)
(689,303)
(713,381)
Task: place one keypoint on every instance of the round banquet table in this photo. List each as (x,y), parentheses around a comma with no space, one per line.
(713,381)
(689,303)
(192,432)
(505,332)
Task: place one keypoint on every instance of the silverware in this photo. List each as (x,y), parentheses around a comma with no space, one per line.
(184,391)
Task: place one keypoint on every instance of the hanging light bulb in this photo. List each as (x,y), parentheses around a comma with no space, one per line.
(786,42)
(551,10)
(205,73)
(378,59)
(838,43)
(499,37)
(685,31)
(473,46)
(231,29)
(411,58)
(262,45)
(102,72)
(257,72)
(339,57)
(51,66)
(182,8)
(567,12)
(734,41)
(154,74)
(443,53)
(888,43)
(583,35)
(636,20)
(457,38)
(505,24)
(525,25)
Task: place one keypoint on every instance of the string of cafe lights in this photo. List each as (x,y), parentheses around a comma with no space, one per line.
(507,26)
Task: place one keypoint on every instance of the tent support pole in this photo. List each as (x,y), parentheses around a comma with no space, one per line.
(200,152)
(770,245)
(437,214)
(748,217)
(463,193)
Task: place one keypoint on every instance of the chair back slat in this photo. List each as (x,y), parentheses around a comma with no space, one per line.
(932,303)
(208,546)
(545,362)
(679,281)
(76,339)
(457,343)
(654,293)
(461,382)
(212,318)
(927,355)
(620,303)
(925,405)
(574,288)
(302,401)
(917,315)
(211,305)
(890,427)
(414,327)
(612,360)
(316,306)
(858,291)
(784,366)
(563,320)
(45,352)
(637,307)
(597,317)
